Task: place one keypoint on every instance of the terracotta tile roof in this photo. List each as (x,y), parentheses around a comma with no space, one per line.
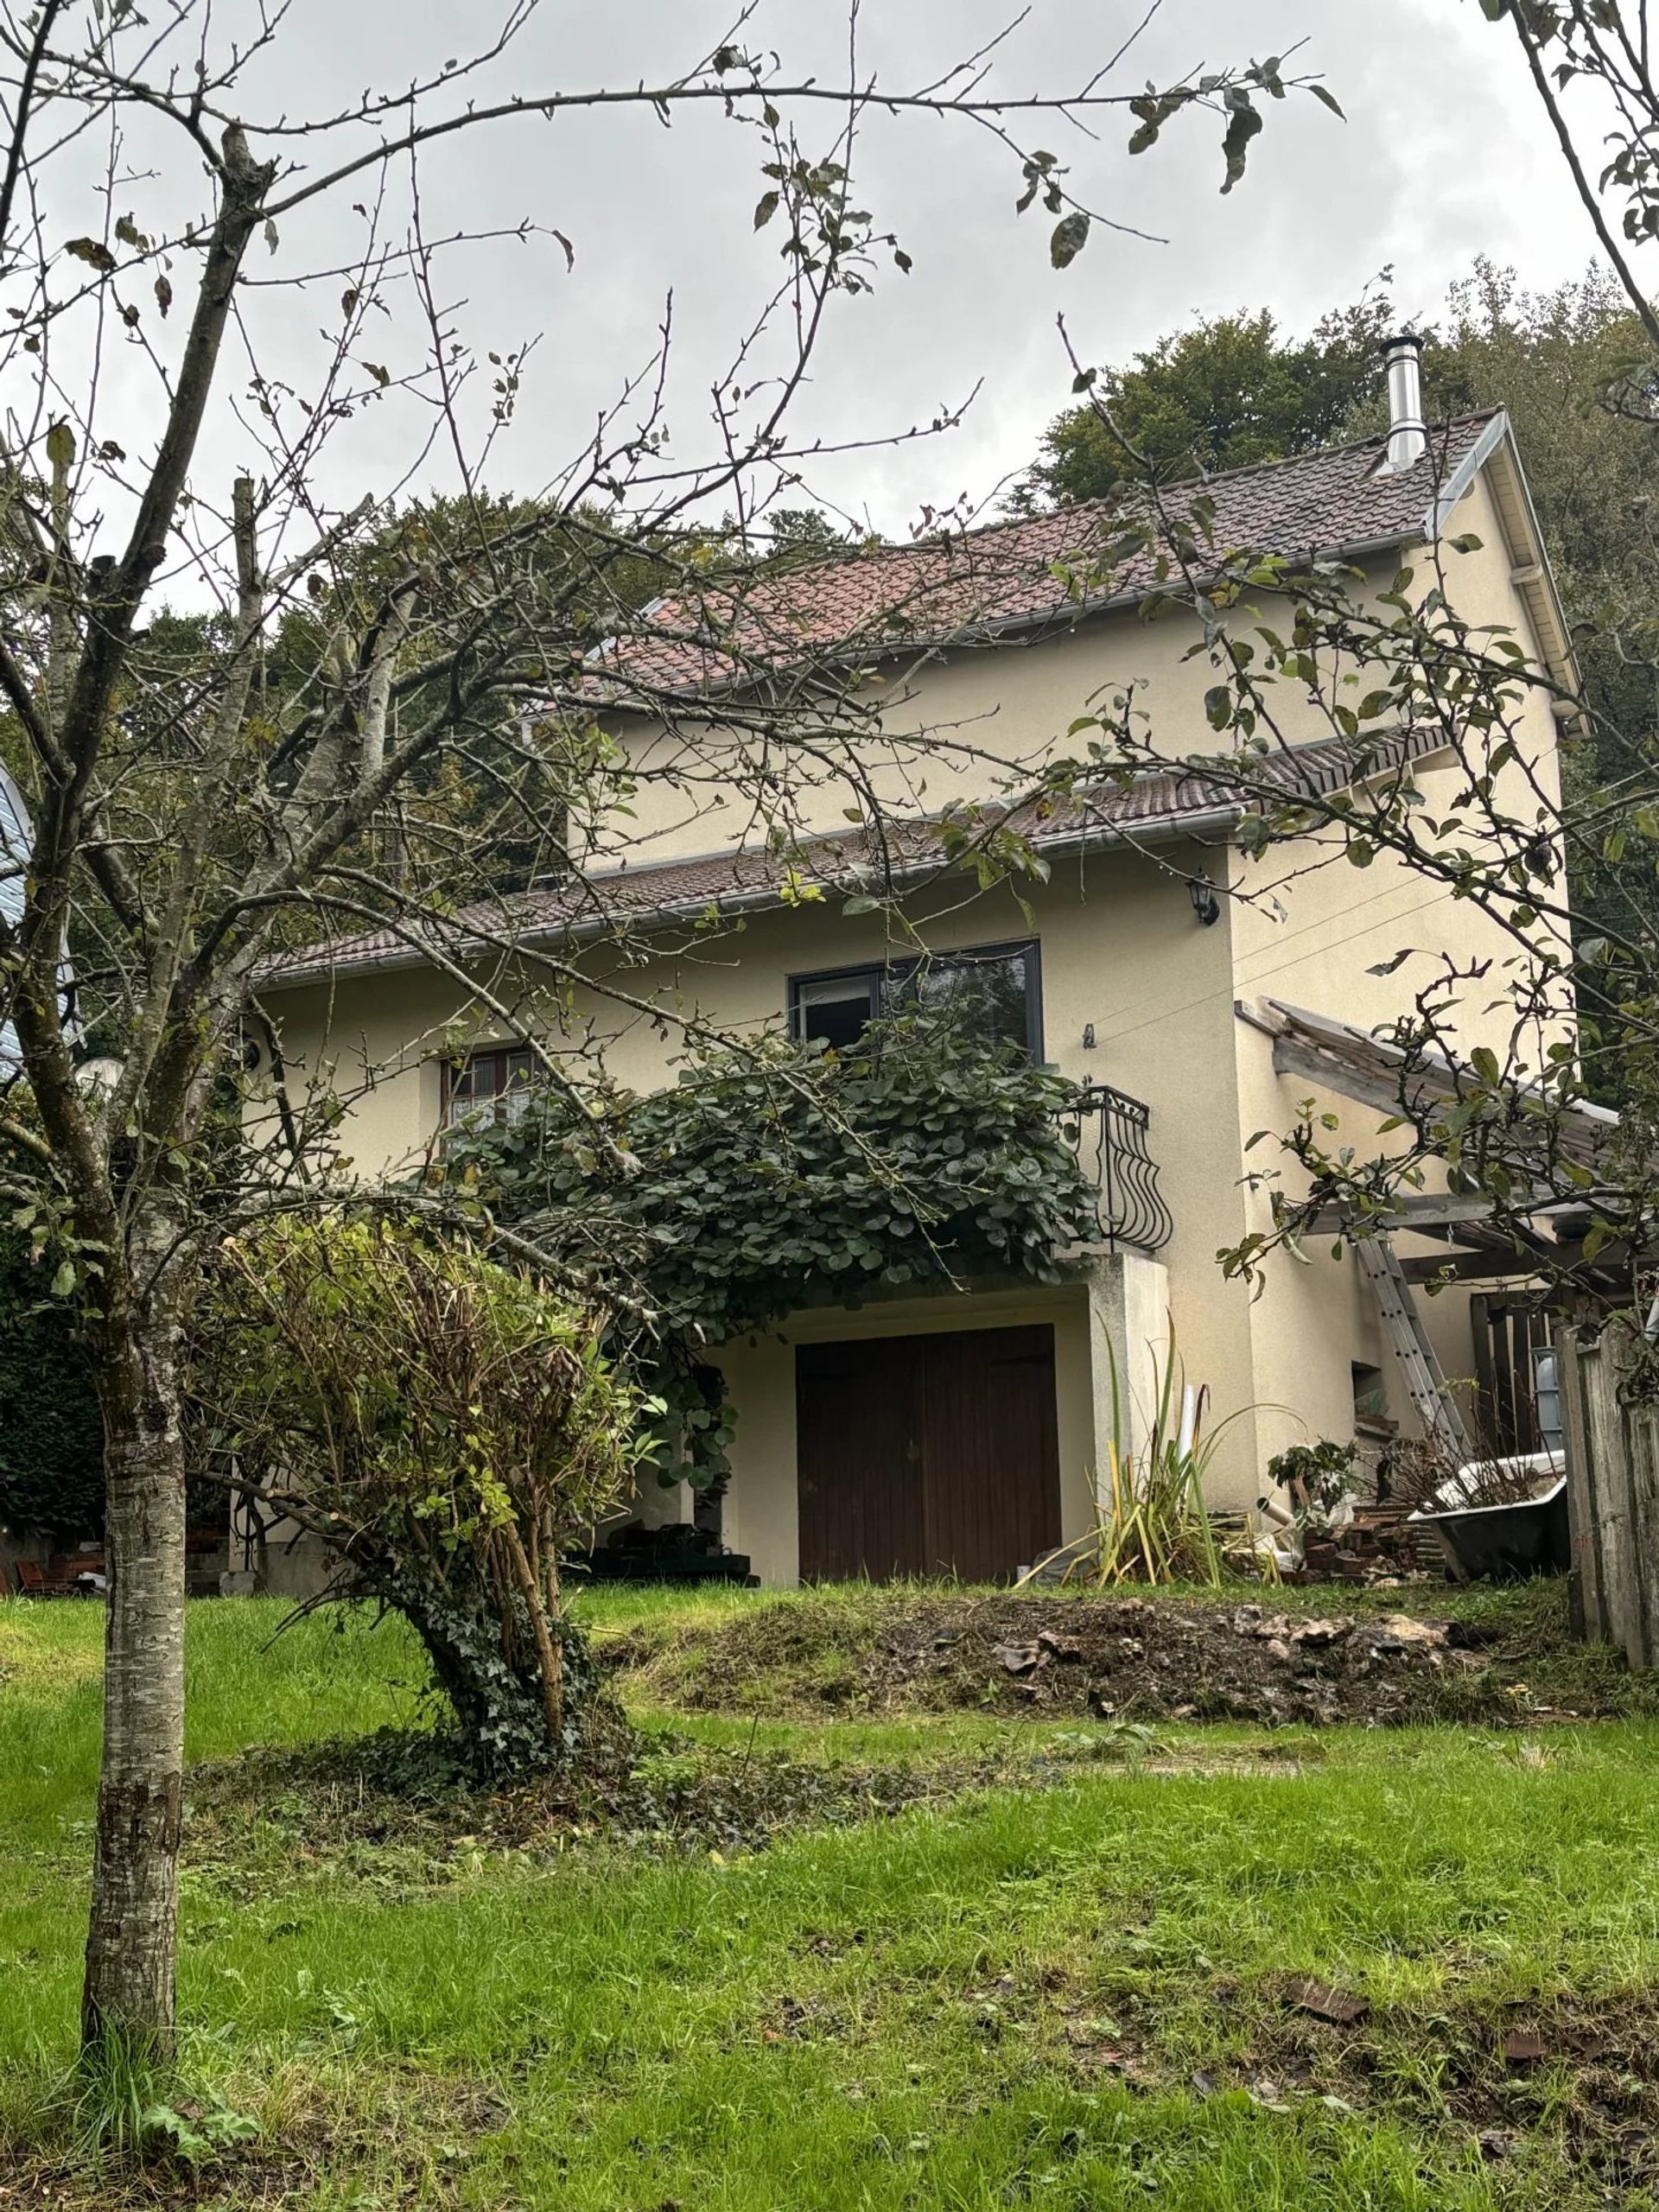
(983,581)
(1155,804)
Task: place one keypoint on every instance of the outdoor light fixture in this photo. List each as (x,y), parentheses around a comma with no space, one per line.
(1205,905)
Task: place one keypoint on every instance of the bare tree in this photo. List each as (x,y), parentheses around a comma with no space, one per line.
(248,720)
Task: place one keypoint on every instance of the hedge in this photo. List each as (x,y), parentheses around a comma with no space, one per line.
(51,1434)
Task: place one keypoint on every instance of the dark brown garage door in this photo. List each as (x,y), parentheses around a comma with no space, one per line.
(928,1455)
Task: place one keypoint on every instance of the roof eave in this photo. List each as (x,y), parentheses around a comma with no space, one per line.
(1063,616)
(584,930)
(1195,822)
(1088,836)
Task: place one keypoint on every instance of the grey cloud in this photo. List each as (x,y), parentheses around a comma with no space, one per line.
(1438,160)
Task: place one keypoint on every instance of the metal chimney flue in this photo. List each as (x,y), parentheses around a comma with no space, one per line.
(1402,357)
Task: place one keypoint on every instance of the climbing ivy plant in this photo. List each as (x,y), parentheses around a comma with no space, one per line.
(778,1174)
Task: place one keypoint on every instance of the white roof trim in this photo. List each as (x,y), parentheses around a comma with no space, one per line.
(1452,491)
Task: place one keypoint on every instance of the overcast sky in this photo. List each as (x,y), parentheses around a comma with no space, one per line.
(1441,158)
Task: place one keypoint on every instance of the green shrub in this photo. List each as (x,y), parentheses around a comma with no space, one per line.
(448,1428)
(774,1171)
(51,1433)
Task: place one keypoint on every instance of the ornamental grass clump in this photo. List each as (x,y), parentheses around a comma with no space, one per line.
(448,1428)
(1153,1522)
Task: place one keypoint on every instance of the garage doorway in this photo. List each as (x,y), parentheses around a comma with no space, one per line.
(928,1455)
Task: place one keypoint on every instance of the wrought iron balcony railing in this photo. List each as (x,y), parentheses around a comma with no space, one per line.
(1108,1129)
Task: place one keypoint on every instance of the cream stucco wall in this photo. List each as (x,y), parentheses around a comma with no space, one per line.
(966,723)
(1123,1299)
(1122,953)
(1312,934)
(971,722)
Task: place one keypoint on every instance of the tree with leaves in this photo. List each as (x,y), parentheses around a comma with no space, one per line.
(190,812)
(1566,1196)
(1566,365)
(1225,393)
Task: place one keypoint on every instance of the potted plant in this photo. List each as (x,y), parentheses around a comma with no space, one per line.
(1315,1484)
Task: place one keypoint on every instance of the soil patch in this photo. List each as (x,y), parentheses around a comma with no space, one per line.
(251,2181)
(405,1817)
(1582,2074)
(1136,1659)
(1571,2078)
(1123,1658)
(285,2166)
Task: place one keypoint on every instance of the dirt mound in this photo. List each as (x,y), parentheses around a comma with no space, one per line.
(1570,2080)
(1580,2074)
(1566,2086)
(1135,1659)
(1118,1657)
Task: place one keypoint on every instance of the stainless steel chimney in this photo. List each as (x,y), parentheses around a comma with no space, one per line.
(1402,357)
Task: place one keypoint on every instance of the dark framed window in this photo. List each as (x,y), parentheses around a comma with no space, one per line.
(992,990)
(833,1009)
(494,1082)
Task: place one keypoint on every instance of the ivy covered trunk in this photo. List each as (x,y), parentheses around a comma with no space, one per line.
(518,1673)
(131,1943)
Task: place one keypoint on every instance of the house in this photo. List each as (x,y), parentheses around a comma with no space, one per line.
(967,1428)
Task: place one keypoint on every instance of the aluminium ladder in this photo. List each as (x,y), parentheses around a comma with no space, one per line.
(1403,1325)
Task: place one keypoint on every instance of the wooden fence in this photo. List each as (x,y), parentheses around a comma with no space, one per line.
(1612,1472)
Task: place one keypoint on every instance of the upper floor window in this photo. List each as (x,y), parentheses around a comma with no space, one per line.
(991,991)
(494,1084)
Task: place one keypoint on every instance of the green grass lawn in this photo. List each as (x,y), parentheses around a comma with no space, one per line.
(1063,1980)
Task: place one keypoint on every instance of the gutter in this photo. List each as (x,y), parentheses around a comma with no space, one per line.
(584,929)
(1157,829)
(1436,517)
(1166,828)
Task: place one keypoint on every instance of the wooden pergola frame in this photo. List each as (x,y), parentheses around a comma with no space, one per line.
(1530,1253)
(1339,1057)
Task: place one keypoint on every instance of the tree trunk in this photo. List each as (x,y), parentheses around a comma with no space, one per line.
(132,1935)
